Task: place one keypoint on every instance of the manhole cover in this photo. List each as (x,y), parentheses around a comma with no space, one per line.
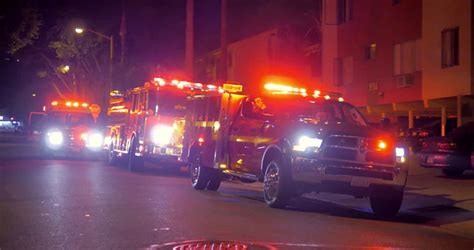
(213,245)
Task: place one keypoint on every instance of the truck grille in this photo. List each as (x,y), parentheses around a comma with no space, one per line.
(355,148)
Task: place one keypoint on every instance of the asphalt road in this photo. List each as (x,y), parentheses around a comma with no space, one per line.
(74,204)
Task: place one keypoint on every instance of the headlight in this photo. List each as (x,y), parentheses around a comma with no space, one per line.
(161,134)
(400,155)
(94,140)
(307,143)
(55,138)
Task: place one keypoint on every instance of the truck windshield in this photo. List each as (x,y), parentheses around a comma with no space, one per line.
(70,119)
(316,111)
(167,102)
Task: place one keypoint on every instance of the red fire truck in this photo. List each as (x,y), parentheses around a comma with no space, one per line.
(147,123)
(294,142)
(69,128)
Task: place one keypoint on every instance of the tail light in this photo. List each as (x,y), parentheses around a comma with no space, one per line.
(447,146)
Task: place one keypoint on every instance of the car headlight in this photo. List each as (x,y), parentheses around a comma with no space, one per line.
(400,155)
(94,140)
(55,138)
(161,134)
(306,143)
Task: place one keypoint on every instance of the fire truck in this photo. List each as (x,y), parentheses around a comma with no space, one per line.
(69,127)
(147,123)
(294,141)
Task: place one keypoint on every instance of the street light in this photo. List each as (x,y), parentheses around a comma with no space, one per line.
(110,38)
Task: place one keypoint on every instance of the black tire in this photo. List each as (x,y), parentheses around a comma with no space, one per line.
(199,175)
(277,184)
(453,172)
(112,156)
(214,183)
(135,163)
(386,201)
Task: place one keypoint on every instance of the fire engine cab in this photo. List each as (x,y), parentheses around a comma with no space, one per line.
(147,123)
(69,127)
(295,142)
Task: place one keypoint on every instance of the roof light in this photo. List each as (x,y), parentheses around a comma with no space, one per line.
(340,99)
(198,85)
(69,104)
(278,87)
(327,97)
(85,105)
(75,104)
(55,103)
(212,87)
(160,81)
(317,93)
(175,82)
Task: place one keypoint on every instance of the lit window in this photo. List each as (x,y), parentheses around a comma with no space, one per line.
(370,51)
(373,86)
(407,57)
(450,48)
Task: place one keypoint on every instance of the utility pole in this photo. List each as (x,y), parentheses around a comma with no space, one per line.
(123,34)
(223,76)
(189,51)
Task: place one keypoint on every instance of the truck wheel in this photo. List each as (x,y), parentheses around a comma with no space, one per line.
(453,172)
(277,184)
(386,201)
(199,175)
(214,183)
(135,163)
(113,158)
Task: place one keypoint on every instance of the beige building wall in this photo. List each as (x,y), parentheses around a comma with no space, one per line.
(438,15)
(329,43)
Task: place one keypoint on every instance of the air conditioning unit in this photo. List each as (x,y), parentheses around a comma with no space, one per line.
(404,81)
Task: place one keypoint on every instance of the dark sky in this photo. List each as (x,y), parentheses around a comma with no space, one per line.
(155,31)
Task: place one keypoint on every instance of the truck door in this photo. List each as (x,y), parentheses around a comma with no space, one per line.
(247,137)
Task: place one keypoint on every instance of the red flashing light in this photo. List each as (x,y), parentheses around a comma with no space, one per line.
(55,103)
(381,145)
(75,104)
(327,97)
(200,141)
(69,104)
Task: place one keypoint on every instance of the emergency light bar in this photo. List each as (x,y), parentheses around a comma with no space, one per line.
(231,88)
(276,88)
(70,104)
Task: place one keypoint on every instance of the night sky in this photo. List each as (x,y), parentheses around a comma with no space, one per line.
(155,34)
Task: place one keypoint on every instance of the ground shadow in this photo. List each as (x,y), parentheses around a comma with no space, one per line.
(432,210)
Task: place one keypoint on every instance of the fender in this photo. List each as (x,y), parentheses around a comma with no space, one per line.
(282,147)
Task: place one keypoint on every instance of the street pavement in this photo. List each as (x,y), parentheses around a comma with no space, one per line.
(76,204)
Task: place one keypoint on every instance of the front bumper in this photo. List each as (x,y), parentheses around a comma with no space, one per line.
(342,176)
(445,161)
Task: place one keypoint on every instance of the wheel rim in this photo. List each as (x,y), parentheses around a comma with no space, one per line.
(271,183)
(195,173)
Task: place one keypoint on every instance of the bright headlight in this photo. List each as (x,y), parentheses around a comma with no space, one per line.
(161,134)
(94,140)
(400,154)
(55,138)
(304,143)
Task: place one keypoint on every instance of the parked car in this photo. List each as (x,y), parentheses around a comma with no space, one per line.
(453,154)
(414,137)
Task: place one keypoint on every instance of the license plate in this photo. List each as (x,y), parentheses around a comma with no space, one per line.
(169,151)
(360,182)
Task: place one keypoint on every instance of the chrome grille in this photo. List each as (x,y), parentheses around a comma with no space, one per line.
(354,148)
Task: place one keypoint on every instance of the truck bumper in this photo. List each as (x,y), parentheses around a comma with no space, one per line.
(356,178)
(163,154)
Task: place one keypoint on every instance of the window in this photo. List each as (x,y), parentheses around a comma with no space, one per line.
(370,51)
(373,86)
(343,71)
(450,47)
(344,11)
(407,57)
